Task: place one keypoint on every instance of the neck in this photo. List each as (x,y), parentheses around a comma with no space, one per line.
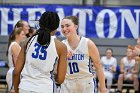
(129,57)
(17,41)
(74,41)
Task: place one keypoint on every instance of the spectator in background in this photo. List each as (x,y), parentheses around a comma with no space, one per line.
(109,66)
(14,48)
(25,26)
(129,71)
(32,31)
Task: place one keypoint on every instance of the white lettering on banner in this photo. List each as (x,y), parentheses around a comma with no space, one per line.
(4,20)
(129,17)
(60,12)
(82,19)
(133,25)
(32,13)
(100,23)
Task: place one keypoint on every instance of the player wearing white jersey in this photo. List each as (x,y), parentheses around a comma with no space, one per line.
(109,66)
(81,50)
(38,57)
(13,51)
(129,71)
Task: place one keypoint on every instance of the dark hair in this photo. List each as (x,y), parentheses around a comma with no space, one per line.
(12,36)
(110,49)
(48,22)
(74,19)
(31,31)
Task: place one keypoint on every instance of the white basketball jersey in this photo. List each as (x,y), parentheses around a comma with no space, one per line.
(108,63)
(10,56)
(79,65)
(128,64)
(39,64)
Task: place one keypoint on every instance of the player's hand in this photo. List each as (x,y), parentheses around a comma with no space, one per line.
(70,53)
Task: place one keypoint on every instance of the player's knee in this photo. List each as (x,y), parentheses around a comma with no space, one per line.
(121,76)
(135,77)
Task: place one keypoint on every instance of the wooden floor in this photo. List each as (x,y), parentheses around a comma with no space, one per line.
(2,88)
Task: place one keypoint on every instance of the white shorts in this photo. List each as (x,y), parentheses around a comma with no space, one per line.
(9,80)
(108,75)
(85,85)
(26,91)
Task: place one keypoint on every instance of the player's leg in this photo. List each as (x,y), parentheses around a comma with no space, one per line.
(109,79)
(136,83)
(120,82)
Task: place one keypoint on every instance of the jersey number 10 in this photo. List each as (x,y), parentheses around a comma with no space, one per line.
(73,68)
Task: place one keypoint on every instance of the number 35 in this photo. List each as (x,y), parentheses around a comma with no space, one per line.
(40,52)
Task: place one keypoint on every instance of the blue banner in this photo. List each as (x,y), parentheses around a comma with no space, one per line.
(94,21)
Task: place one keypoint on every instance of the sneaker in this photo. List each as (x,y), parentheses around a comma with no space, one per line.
(118,91)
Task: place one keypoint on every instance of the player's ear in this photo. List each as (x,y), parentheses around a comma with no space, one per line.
(76,27)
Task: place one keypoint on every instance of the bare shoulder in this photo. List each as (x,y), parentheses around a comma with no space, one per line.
(60,46)
(91,43)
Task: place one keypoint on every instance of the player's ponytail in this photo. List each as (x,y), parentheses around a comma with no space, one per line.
(44,36)
(48,22)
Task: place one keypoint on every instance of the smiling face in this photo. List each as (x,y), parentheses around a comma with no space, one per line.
(68,27)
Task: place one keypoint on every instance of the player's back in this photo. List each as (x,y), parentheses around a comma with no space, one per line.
(39,64)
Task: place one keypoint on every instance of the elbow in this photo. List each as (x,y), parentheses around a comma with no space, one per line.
(60,80)
(16,73)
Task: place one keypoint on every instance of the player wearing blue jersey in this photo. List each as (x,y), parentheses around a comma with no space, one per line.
(38,57)
(82,55)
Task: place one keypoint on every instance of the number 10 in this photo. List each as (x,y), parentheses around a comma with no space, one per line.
(73,68)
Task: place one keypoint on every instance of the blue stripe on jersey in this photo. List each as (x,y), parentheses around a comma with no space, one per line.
(95,85)
(91,67)
(52,75)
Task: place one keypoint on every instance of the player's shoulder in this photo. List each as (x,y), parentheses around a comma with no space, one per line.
(59,44)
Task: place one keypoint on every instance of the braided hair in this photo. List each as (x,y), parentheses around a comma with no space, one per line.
(48,22)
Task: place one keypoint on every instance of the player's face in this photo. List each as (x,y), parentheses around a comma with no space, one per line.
(68,27)
(129,52)
(20,36)
(25,27)
(138,41)
(109,53)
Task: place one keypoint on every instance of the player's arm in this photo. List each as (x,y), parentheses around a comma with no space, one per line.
(136,68)
(122,67)
(114,66)
(95,56)
(62,61)
(15,49)
(18,67)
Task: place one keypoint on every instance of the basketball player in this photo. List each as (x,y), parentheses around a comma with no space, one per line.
(109,65)
(37,59)
(25,26)
(14,48)
(129,71)
(82,55)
